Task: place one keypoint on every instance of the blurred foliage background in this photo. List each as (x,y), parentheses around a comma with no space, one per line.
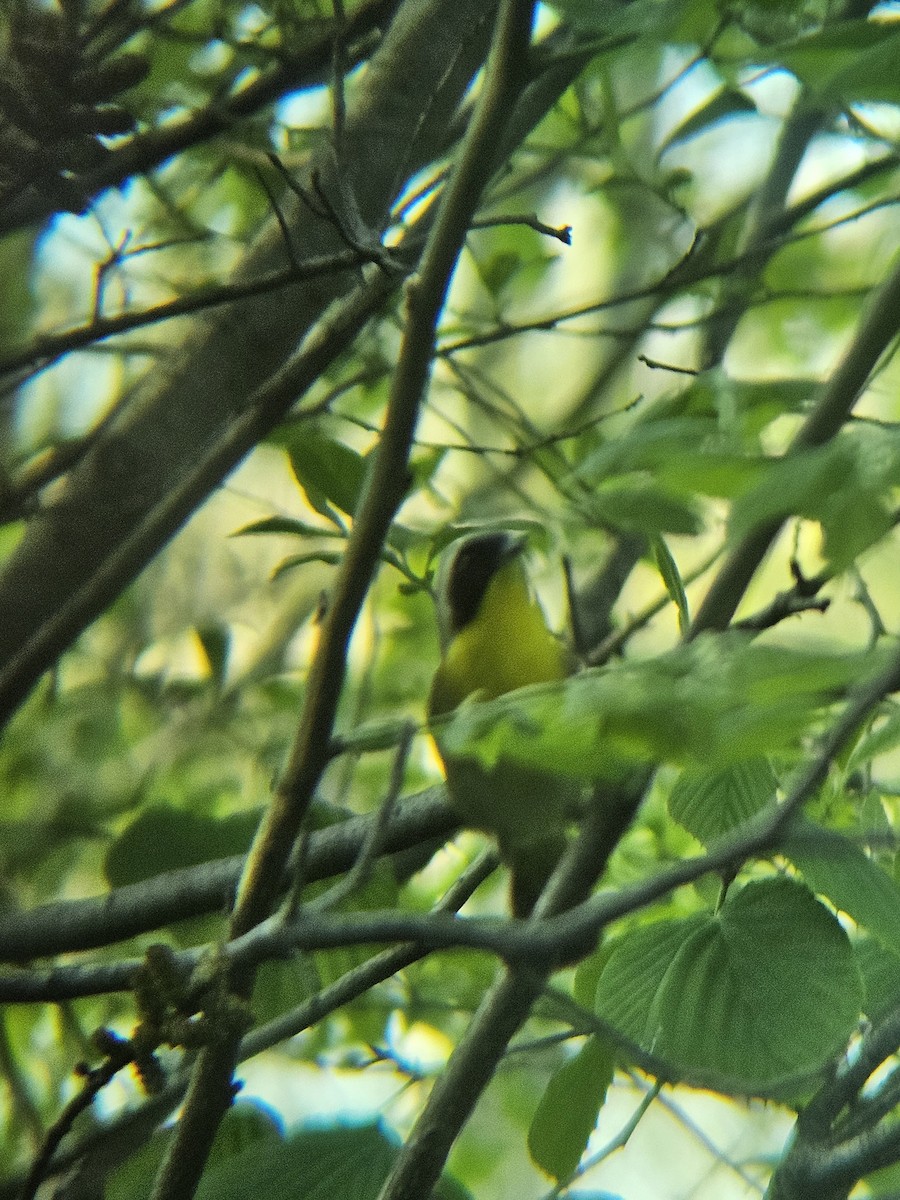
(685,254)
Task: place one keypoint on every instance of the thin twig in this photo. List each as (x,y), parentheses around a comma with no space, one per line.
(562,233)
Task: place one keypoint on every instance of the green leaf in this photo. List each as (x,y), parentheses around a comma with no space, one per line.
(685,454)
(728,102)
(880,740)
(742,406)
(378,892)
(498,269)
(606,17)
(330,472)
(709,804)
(215,638)
(245,1125)
(284,525)
(853,519)
(568,1109)
(880,971)
(850,61)
(316,1164)
(711,472)
(279,986)
(587,974)
(843,485)
(164,838)
(671,577)
(16,265)
(637,505)
(133,1180)
(839,869)
(329,558)
(649,445)
(760,991)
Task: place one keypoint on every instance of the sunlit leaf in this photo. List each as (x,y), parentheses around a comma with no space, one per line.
(329,471)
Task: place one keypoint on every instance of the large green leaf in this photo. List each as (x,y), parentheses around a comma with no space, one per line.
(842,485)
(350,1162)
(762,990)
(880,971)
(246,1126)
(250,1159)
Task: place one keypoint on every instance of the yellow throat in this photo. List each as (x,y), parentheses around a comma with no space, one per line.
(506,645)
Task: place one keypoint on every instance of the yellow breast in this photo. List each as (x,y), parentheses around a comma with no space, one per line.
(507,646)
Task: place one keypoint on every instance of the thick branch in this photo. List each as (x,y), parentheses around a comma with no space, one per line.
(123,560)
(72,925)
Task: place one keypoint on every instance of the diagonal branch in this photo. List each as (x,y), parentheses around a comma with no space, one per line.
(878,328)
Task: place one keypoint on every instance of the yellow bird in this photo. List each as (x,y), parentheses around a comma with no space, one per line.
(495,638)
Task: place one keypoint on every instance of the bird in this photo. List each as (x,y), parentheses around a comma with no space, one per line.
(494,639)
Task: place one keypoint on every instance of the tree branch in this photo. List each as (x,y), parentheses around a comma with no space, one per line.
(878,327)
(209,1094)
(122,560)
(103,1147)
(67,926)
